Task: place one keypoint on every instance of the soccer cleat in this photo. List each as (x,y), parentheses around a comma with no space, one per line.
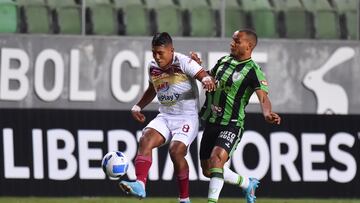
(250,191)
(133,188)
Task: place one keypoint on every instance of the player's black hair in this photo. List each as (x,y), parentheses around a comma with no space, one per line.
(251,33)
(160,39)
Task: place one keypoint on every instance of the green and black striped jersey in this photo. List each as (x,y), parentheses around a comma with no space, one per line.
(236,82)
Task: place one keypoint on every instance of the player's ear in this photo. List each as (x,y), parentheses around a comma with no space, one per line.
(251,45)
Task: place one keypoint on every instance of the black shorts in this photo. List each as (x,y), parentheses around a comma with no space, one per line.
(224,136)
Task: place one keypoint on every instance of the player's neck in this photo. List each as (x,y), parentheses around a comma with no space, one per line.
(242,56)
(167,66)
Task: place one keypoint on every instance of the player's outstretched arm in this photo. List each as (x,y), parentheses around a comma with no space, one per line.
(270,117)
(147,97)
(206,80)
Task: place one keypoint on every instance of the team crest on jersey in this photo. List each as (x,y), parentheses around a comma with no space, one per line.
(162,87)
(237,76)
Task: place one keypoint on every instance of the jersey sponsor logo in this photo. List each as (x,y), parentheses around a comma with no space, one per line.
(162,87)
(227,135)
(159,77)
(217,110)
(168,99)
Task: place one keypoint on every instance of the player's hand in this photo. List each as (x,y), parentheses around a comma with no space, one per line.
(273,118)
(208,83)
(195,57)
(137,115)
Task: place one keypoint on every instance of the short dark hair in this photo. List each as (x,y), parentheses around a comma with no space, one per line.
(251,33)
(160,39)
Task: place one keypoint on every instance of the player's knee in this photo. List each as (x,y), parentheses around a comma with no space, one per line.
(177,151)
(150,139)
(173,154)
(145,145)
(216,161)
(144,141)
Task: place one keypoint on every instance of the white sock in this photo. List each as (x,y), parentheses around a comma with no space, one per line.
(216,184)
(215,187)
(245,182)
(184,200)
(231,177)
(235,179)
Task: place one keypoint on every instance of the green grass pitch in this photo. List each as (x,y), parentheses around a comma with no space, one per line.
(162,200)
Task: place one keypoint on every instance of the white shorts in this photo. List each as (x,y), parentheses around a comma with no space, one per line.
(183,128)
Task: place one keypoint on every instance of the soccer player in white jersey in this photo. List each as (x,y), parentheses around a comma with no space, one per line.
(172,79)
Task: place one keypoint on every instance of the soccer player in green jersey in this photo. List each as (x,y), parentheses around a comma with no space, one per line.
(237,76)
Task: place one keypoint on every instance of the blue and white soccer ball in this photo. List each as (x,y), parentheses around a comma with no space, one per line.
(115,164)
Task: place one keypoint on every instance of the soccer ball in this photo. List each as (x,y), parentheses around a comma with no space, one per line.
(115,164)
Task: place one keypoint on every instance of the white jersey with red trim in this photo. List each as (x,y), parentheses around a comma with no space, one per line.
(176,87)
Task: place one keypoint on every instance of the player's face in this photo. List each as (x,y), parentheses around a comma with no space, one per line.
(163,55)
(239,44)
